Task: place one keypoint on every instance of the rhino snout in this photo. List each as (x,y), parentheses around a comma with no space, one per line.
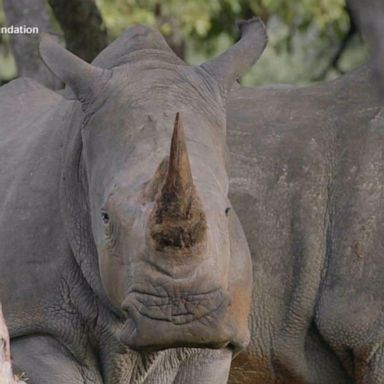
(186,320)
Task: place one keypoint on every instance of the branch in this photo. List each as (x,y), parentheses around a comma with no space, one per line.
(6,374)
(25,47)
(336,57)
(82,24)
(369,15)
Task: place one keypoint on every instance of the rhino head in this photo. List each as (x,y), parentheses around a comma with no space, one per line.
(171,255)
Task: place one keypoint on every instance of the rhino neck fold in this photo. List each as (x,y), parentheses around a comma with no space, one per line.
(74,206)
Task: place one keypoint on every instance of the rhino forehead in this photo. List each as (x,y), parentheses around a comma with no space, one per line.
(151,85)
(139,104)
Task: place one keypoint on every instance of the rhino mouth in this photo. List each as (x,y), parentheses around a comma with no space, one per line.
(159,322)
(178,310)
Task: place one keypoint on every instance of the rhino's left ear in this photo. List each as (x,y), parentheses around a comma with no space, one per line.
(237,60)
(85,80)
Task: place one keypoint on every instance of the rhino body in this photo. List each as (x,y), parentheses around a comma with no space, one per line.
(307,183)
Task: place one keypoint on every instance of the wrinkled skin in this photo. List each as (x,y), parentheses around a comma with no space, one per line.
(307,183)
(88,293)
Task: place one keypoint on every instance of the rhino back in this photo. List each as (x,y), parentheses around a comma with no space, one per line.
(24,108)
(31,237)
(306,181)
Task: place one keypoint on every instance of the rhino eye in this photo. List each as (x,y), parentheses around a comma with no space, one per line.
(227,210)
(105,217)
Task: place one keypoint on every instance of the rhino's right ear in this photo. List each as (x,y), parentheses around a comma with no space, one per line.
(85,80)
(238,60)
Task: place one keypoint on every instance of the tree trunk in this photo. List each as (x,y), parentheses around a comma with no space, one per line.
(82,25)
(6,374)
(25,47)
(369,15)
(174,40)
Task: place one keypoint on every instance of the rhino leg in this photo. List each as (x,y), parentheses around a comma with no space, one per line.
(43,360)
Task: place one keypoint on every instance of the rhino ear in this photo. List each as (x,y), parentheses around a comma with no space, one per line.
(84,79)
(237,60)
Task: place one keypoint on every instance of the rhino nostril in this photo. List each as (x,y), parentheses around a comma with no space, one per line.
(235,347)
(105,217)
(127,308)
(231,346)
(126,311)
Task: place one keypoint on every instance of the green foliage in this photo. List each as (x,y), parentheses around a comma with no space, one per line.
(2,18)
(7,64)
(304,60)
(207,19)
(302,13)
(303,34)
(191,17)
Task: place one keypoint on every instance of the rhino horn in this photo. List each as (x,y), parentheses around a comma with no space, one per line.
(178,219)
(85,80)
(179,182)
(237,60)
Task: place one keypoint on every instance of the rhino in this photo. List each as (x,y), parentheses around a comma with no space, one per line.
(121,258)
(306,179)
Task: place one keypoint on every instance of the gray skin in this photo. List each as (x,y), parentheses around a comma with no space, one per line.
(307,183)
(88,295)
